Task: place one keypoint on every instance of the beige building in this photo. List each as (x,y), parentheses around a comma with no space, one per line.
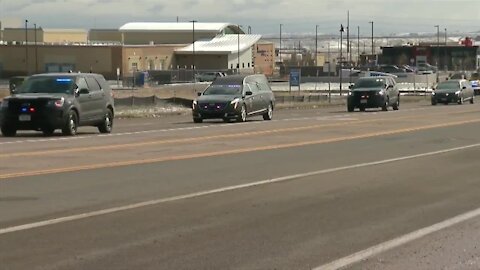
(264,58)
(50,36)
(105,36)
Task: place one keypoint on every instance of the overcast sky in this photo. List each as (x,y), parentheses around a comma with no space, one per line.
(264,16)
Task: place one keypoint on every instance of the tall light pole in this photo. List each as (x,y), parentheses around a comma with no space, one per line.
(26,47)
(280,48)
(36,49)
(341,57)
(316,45)
(238,48)
(438,48)
(193,48)
(373,45)
(446,59)
(358,45)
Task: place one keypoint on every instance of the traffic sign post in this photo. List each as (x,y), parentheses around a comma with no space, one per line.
(295,75)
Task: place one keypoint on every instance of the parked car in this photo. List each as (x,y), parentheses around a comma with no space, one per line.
(475,80)
(453,91)
(374,92)
(46,102)
(208,76)
(235,98)
(393,69)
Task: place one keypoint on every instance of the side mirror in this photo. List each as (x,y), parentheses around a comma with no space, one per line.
(248,93)
(199,93)
(350,86)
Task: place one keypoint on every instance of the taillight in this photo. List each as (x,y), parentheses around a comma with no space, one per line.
(59,103)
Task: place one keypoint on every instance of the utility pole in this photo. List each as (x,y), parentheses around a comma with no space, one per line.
(341,57)
(349,52)
(438,49)
(26,47)
(358,45)
(316,45)
(238,49)
(280,48)
(193,49)
(446,58)
(373,45)
(36,48)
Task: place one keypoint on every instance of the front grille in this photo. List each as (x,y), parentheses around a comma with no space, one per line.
(214,106)
(15,106)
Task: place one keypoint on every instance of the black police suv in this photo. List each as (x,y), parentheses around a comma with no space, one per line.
(46,102)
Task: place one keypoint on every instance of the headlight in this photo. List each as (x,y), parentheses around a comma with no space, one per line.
(4,103)
(457,93)
(380,93)
(235,102)
(350,93)
(194,104)
(433,93)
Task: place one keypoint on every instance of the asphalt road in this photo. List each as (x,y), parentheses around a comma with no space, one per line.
(305,191)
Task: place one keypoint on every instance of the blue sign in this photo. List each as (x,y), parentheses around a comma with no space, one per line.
(295,77)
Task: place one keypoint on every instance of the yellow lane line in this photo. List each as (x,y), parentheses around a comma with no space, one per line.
(188,140)
(228,152)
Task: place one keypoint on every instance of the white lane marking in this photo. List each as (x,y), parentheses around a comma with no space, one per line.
(399,241)
(320,118)
(221,190)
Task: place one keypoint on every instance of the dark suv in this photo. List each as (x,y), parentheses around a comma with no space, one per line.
(374,92)
(46,102)
(235,98)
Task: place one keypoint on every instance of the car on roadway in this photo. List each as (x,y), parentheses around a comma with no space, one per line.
(46,102)
(449,91)
(374,92)
(208,76)
(475,80)
(235,97)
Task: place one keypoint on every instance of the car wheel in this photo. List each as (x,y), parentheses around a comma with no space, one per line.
(197,120)
(269,114)
(242,117)
(48,131)
(396,106)
(460,101)
(350,108)
(226,120)
(434,102)
(385,105)
(362,108)
(70,126)
(8,131)
(472,100)
(107,125)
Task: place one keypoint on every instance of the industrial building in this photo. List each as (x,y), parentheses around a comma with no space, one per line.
(131,48)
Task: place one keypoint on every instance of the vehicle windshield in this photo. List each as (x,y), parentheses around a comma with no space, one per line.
(370,83)
(48,84)
(448,85)
(458,76)
(223,90)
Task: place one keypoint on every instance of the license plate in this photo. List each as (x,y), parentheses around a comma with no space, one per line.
(24,117)
(363,101)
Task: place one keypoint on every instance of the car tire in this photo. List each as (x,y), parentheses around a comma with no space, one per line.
(269,114)
(226,120)
(8,131)
(197,120)
(396,106)
(385,105)
(107,124)
(362,108)
(70,126)
(460,101)
(350,108)
(434,102)
(242,117)
(48,131)
(472,100)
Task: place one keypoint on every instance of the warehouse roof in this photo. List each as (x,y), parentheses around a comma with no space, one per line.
(222,44)
(173,27)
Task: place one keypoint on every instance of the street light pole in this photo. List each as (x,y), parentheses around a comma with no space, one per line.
(438,49)
(193,48)
(358,45)
(280,48)
(238,49)
(341,57)
(316,45)
(26,47)
(446,59)
(36,48)
(373,45)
